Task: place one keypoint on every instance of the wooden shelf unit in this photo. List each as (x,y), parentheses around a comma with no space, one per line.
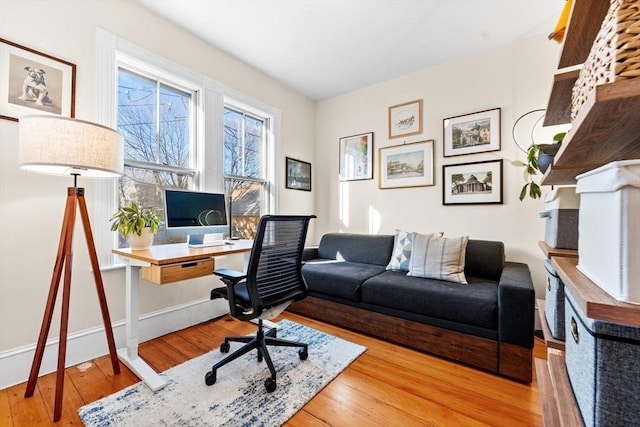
(559,406)
(606,128)
(549,340)
(549,252)
(582,28)
(594,302)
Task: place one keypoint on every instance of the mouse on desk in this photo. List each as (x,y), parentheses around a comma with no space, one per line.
(229,243)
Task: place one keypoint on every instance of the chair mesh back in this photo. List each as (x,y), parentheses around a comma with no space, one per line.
(274,273)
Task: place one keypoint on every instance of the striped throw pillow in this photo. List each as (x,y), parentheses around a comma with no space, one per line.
(437,257)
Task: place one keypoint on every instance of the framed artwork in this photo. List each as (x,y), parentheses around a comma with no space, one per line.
(33,82)
(472,133)
(298,174)
(405,119)
(406,165)
(356,157)
(472,183)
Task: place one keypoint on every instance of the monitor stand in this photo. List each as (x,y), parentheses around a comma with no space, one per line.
(197,241)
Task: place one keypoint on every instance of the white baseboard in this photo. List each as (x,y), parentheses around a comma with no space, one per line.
(91,343)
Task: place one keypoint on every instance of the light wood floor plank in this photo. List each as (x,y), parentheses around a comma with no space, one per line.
(387,386)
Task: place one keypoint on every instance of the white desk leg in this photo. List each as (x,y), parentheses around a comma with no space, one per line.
(129,354)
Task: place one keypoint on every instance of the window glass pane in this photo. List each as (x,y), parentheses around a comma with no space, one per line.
(245,202)
(137,102)
(233,150)
(146,188)
(253,147)
(174,130)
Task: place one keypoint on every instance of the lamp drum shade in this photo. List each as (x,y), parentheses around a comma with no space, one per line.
(64,146)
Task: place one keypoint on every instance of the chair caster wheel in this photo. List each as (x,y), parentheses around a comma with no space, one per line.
(210,378)
(303,353)
(270,385)
(225,347)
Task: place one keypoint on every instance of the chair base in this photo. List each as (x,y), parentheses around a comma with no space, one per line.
(259,342)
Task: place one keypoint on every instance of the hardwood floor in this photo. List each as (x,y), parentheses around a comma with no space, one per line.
(387,386)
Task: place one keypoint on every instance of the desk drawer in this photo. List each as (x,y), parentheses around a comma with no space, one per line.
(169,273)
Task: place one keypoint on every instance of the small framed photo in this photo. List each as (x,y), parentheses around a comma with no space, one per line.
(472,183)
(406,165)
(472,133)
(405,119)
(356,157)
(33,82)
(298,174)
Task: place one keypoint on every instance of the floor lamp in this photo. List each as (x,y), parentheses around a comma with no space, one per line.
(62,146)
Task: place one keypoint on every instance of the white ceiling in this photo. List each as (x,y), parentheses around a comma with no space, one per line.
(324,48)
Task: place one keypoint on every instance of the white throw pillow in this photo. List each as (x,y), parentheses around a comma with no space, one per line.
(437,257)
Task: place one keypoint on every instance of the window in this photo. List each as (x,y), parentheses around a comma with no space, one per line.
(155,118)
(245,164)
(171,118)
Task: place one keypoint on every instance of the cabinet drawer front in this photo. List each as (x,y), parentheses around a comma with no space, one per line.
(162,274)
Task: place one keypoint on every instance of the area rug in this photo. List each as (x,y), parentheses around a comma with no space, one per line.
(238,398)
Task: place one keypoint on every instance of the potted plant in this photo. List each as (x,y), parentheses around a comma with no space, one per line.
(539,158)
(136,224)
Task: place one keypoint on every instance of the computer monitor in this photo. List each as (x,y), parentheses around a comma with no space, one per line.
(194,214)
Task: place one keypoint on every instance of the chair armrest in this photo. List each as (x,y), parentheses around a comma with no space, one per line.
(232,276)
(310,252)
(516,305)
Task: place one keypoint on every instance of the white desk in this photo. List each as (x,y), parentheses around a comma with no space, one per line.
(163,264)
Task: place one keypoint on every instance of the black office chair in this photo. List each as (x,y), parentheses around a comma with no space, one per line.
(273,280)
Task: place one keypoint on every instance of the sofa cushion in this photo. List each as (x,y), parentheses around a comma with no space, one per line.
(360,248)
(338,278)
(436,257)
(484,258)
(473,305)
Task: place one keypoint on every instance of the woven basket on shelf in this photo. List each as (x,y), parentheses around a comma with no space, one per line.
(615,54)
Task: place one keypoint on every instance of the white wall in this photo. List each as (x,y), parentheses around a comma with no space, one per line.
(31,205)
(516,78)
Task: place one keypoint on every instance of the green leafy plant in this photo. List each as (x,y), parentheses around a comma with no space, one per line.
(132,219)
(532,188)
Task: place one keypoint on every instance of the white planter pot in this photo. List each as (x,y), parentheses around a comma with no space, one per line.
(141,242)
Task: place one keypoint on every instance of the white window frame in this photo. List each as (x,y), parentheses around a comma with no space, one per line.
(112,51)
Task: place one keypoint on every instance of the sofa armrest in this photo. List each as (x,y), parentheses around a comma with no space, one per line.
(516,305)
(309,252)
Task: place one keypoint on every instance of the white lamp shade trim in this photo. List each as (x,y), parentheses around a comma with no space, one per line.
(63,146)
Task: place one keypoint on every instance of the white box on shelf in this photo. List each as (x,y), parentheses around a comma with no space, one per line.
(609,229)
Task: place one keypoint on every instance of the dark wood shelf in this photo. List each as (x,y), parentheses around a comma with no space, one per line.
(549,252)
(548,401)
(549,340)
(559,105)
(559,406)
(606,129)
(583,26)
(594,302)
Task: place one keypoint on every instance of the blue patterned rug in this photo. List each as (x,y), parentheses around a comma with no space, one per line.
(238,398)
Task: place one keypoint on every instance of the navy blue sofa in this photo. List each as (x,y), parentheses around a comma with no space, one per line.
(488,323)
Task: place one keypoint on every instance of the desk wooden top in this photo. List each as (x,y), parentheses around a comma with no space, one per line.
(180,252)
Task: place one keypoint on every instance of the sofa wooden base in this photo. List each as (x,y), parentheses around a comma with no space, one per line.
(504,359)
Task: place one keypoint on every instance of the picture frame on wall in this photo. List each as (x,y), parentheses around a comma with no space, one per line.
(406,165)
(298,174)
(472,133)
(472,183)
(405,119)
(33,82)
(356,157)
